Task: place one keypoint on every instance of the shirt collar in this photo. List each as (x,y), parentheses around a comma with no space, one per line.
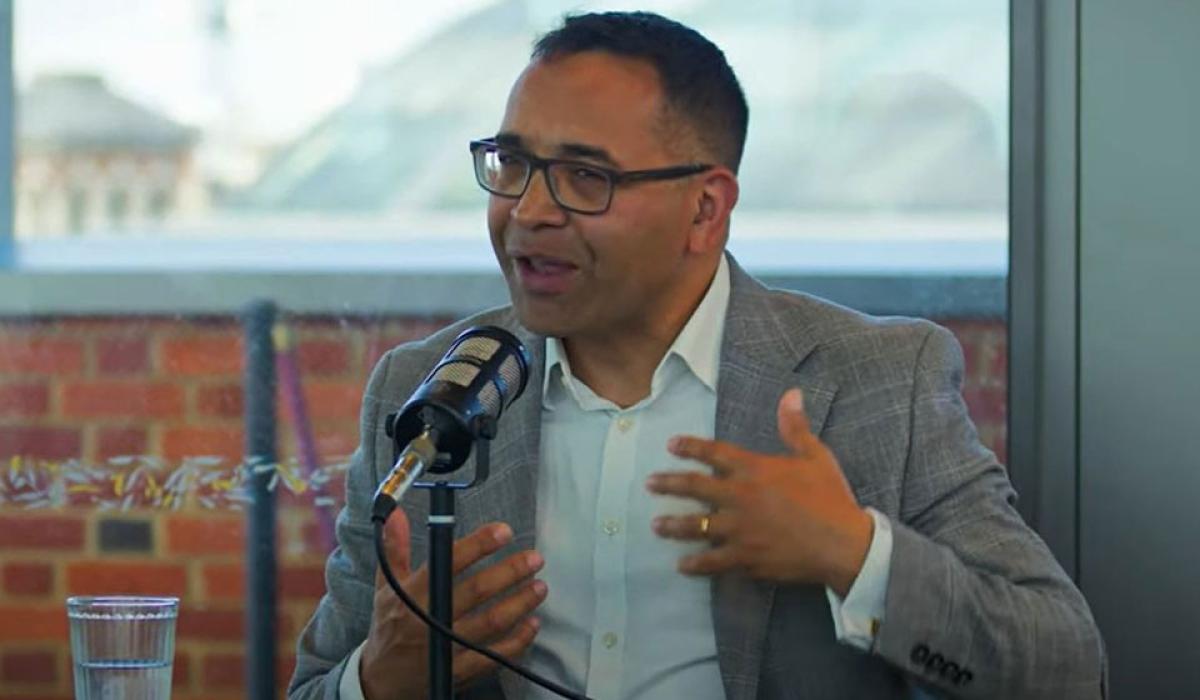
(698,344)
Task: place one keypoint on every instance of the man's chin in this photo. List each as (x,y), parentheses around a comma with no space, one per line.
(549,322)
(545,327)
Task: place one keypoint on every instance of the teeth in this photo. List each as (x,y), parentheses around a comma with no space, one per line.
(543,265)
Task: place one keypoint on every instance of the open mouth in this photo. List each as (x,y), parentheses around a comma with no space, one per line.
(544,266)
(540,274)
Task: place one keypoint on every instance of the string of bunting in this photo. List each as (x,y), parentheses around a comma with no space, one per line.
(123,483)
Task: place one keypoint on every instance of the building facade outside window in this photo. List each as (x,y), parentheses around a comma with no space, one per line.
(175,160)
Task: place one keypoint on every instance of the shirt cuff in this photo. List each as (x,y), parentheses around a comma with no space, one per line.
(857,618)
(350,687)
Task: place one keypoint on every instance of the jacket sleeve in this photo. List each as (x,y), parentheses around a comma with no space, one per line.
(976,604)
(343,616)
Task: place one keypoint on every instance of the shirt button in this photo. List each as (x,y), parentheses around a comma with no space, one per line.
(611,527)
(609,640)
(624,424)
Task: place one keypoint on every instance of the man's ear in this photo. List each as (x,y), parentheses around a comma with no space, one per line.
(715,200)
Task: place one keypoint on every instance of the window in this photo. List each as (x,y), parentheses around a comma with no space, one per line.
(118,207)
(882,122)
(175,159)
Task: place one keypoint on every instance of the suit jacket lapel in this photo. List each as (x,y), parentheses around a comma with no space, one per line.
(762,355)
(511,491)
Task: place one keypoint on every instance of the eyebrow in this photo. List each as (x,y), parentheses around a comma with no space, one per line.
(570,150)
(580,150)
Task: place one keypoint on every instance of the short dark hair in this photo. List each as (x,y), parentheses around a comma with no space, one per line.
(697,81)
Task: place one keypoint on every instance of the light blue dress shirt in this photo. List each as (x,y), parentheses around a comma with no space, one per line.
(619,620)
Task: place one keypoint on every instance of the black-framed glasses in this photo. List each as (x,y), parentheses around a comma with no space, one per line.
(574,185)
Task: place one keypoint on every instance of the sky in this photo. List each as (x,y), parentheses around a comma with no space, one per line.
(286,63)
(279,66)
(283,65)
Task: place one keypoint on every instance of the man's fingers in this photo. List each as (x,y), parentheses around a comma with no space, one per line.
(701,526)
(495,621)
(494,580)
(470,665)
(508,622)
(481,543)
(692,485)
(398,547)
(793,422)
(725,458)
(707,563)
(486,540)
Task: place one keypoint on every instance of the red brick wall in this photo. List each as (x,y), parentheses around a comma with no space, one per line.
(92,389)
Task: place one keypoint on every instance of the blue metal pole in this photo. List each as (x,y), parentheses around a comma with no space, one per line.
(258,319)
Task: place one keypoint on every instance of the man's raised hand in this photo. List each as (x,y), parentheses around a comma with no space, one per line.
(790,518)
(492,607)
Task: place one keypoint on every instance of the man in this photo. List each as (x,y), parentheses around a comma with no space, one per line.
(715,490)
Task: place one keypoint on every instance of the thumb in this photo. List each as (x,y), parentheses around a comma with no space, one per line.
(398,544)
(793,422)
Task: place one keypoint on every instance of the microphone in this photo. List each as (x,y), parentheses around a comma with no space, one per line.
(459,402)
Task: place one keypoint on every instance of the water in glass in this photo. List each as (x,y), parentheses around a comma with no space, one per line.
(123,647)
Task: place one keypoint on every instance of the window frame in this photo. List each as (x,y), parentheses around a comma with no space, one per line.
(1043,282)
(26,288)
(7,135)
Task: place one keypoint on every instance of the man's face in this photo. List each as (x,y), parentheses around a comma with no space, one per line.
(583,275)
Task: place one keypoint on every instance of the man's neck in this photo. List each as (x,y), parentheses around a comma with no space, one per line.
(619,365)
(620,369)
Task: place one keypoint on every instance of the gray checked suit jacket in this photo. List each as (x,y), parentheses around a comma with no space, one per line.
(977,607)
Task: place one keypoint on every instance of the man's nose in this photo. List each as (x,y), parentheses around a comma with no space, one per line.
(537,206)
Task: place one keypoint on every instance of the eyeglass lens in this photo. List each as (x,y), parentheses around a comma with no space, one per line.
(572,185)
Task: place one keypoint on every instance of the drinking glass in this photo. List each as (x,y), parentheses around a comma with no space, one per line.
(123,646)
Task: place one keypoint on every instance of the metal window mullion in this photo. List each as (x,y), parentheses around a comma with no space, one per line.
(1043,275)
(8,121)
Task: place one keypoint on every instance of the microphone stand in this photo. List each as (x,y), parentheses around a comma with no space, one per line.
(441,557)
(441,574)
(441,534)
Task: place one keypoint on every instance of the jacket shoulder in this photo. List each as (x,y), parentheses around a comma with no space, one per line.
(856,346)
(439,341)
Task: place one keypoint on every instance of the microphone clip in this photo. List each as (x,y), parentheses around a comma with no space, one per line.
(483,426)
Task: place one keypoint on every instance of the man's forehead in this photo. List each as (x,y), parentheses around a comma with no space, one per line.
(590,100)
(566,149)
(594,70)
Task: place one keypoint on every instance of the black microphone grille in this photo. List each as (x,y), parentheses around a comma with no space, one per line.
(477,349)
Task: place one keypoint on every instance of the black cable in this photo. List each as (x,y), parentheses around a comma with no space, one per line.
(381,553)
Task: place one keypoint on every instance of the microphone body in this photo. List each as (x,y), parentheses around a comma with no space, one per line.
(413,461)
(458,403)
